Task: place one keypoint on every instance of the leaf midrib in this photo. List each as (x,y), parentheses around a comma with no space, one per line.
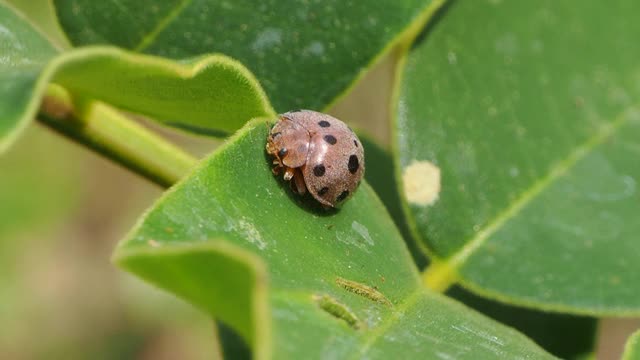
(396,313)
(162,24)
(443,272)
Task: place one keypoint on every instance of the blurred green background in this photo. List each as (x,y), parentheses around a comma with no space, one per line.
(62,211)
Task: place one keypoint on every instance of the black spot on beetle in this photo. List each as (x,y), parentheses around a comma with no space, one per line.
(323,191)
(282,152)
(343,195)
(355,143)
(330,139)
(275,134)
(354,164)
(319,170)
(324,123)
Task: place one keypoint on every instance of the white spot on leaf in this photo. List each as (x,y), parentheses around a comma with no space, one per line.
(421,181)
(316,48)
(249,231)
(270,37)
(452,58)
(355,236)
(363,231)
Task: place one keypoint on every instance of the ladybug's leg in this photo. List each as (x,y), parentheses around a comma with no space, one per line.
(277,168)
(298,184)
(288,173)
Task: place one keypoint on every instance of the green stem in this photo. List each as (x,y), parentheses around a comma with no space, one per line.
(108,132)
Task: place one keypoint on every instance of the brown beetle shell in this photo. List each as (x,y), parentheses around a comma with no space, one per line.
(319,153)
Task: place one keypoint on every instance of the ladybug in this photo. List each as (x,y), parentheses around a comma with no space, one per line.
(317,153)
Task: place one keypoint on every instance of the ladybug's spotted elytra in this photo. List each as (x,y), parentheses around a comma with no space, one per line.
(317,153)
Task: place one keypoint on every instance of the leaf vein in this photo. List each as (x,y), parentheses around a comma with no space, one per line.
(161,25)
(397,313)
(442,273)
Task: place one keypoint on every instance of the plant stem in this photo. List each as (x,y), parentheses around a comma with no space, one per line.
(108,132)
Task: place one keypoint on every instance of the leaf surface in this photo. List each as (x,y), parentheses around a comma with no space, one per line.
(632,348)
(42,15)
(305,53)
(563,335)
(533,123)
(25,53)
(341,284)
(209,95)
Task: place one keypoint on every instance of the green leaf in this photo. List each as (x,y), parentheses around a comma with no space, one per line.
(340,283)
(231,344)
(632,348)
(211,94)
(533,123)
(41,13)
(227,94)
(25,53)
(305,53)
(565,336)
(238,297)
